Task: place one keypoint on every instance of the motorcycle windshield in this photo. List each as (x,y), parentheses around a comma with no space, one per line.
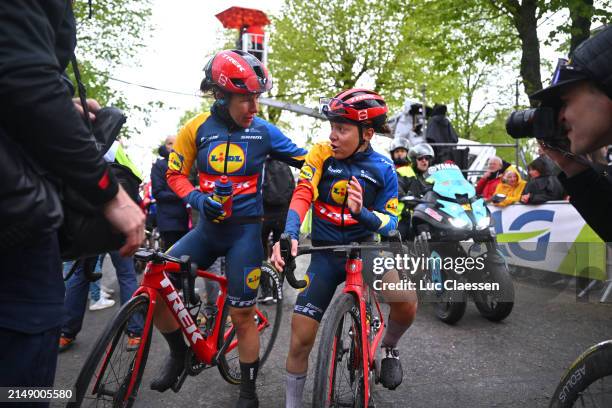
(448,182)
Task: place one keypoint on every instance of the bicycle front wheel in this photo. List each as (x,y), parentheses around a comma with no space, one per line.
(268,317)
(588,382)
(339,377)
(106,377)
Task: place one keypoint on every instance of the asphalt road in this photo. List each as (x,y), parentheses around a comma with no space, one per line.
(476,363)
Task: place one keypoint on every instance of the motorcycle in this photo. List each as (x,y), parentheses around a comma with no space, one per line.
(455,239)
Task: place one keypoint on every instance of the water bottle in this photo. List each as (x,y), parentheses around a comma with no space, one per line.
(223,194)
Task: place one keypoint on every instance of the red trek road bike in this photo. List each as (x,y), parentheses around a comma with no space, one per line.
(347,366)
(113,371)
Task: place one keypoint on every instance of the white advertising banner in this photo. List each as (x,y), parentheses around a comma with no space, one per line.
(552,237)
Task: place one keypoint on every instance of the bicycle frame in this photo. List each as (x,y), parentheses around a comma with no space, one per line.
(156,282)
(354,285)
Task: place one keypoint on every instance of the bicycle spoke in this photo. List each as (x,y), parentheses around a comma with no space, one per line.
(112,365)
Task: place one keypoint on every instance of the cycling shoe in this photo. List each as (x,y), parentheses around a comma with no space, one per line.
(171,371)
(247,403)
(391,369)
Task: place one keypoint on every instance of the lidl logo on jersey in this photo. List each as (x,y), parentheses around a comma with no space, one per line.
(307,172)
(252,278)
(235,156)
(338,191)
(391,206)
(175,161)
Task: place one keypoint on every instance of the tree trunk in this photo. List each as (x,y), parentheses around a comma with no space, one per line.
(526,23)
(580,13)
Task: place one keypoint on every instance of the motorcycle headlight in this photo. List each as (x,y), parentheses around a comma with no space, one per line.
(458,222)
(483,223)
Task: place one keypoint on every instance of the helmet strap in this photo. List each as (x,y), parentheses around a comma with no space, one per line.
(361,141)
(221,109)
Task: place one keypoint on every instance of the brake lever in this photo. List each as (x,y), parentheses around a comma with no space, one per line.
(285,248)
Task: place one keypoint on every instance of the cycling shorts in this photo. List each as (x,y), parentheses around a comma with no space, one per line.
(325,272)
(241,246)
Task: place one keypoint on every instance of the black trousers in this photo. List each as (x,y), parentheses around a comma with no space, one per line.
(29,360)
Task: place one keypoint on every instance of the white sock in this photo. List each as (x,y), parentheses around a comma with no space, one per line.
(294,389)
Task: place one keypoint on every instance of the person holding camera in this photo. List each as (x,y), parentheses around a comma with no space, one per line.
(43,140)
(581,97)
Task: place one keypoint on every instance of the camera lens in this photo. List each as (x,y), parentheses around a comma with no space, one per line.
(520,123)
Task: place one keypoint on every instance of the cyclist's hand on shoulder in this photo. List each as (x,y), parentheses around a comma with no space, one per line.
(125,215)
(276,258)
(355,196)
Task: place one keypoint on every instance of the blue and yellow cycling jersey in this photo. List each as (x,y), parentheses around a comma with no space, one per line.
(239,153)
(323,183)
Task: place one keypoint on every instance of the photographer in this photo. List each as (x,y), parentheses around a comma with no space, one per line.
(43,140)
(581,97)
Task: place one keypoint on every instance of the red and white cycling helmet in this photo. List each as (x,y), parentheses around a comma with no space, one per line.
(361,107)
(236,71)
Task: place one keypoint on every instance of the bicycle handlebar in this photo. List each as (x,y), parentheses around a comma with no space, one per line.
(285,248)
(394,245)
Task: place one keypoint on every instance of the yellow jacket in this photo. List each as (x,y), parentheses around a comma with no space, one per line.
(513,194)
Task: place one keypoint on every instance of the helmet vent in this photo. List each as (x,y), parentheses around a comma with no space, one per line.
(259,72)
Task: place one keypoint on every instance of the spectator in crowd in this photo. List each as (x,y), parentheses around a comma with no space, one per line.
(421,157)
(542,186)
(99,297)
(76,301)
(405,176)
(584,88)
(149,206)
(172,217)
(511,185)
(41,133)
(440,130)
(487,184)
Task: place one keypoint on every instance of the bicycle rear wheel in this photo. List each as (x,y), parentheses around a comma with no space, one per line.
(588,382)
(267,318)
(339,376)
(104,380)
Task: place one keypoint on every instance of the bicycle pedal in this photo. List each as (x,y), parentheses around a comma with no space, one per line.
(176,387)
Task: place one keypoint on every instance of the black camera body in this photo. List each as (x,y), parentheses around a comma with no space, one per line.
(540,123)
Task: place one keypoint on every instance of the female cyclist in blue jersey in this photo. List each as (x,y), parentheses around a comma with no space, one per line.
(230,141)
(353,193)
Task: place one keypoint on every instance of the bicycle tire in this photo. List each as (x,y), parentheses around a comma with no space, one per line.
(229,367)
(324,393)
(592,365)
(105,349)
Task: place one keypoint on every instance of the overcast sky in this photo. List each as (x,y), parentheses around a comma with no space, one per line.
(185,34)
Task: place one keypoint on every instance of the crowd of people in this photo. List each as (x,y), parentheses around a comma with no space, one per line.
(352,190)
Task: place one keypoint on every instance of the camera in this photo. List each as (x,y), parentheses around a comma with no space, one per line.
(540,123)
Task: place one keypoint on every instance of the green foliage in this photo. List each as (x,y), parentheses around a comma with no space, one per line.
(113,36)
(495,132)
(321,47)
